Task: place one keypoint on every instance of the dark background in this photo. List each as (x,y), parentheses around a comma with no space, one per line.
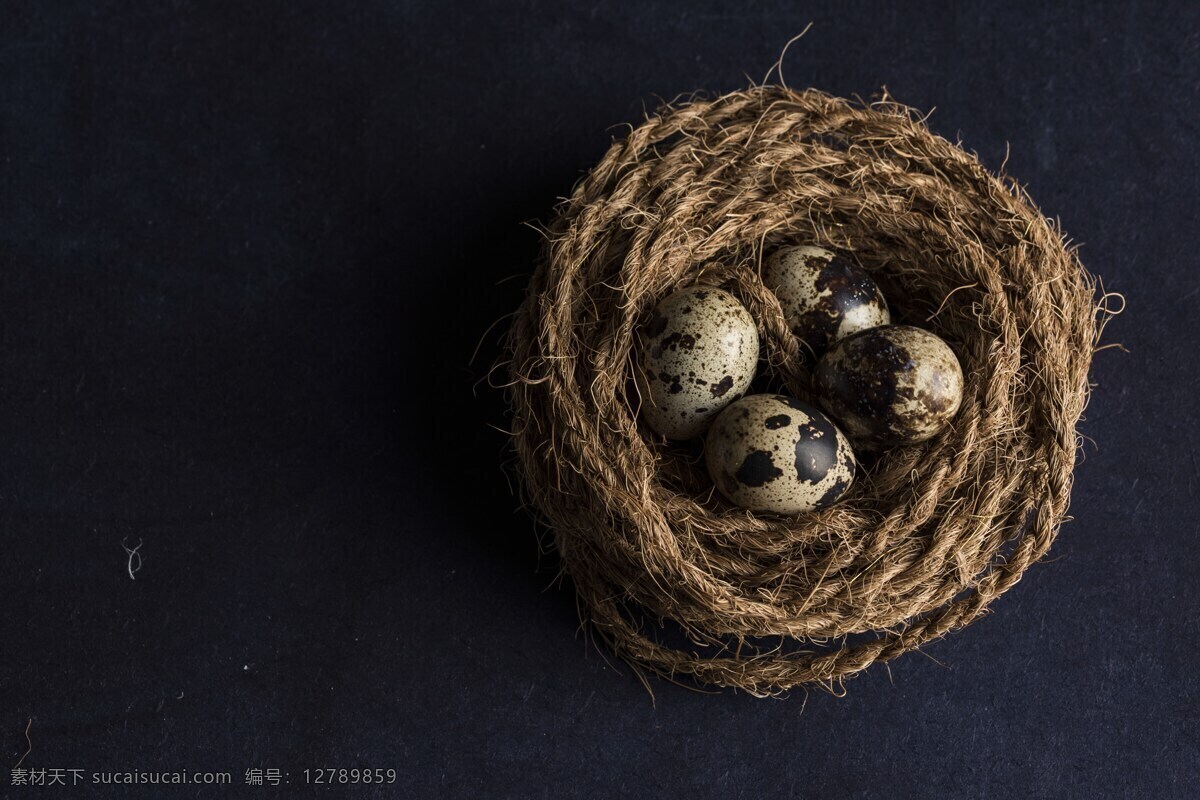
(246,252)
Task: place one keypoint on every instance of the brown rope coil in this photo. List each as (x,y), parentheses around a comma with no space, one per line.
(931,534)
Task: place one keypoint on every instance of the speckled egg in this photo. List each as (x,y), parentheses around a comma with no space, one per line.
(773,453)
(892,385)
(824,296)
(699,354)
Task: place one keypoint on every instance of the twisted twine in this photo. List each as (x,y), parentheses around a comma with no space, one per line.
(931,534)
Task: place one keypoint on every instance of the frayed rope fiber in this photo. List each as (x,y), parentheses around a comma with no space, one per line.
(930,534)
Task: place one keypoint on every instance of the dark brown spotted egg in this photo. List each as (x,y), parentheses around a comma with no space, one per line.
(773,453)
(824,297)
(699,352)
(893,385)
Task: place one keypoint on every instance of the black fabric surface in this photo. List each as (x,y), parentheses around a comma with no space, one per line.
(246,252)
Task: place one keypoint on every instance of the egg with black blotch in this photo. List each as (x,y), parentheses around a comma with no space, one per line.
(824,296)
(775,454)
(699,353)
(893,385)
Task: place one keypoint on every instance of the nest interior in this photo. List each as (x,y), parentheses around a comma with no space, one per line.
(930,534)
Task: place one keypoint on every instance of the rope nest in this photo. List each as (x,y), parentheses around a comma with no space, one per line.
(930,534)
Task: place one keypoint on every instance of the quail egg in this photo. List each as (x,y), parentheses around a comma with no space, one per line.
(824,296)
(773,453)
(892,385)
(699,352)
